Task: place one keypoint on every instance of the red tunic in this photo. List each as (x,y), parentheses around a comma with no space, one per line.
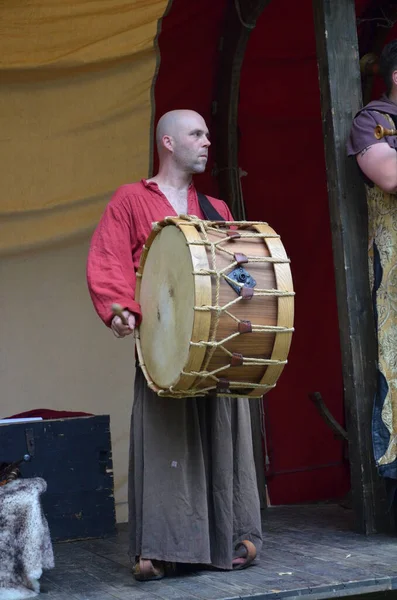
(117,242)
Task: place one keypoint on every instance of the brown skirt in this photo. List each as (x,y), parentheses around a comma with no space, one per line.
(192,483)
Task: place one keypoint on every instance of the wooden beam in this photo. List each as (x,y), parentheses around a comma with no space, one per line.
(240,19)
(340,88)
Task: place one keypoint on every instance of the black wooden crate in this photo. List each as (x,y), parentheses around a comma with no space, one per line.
(74,457)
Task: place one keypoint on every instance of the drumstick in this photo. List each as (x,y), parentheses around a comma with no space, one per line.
(118,311)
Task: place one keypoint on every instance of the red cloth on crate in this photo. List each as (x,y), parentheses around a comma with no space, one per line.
(117,243)
(47,413)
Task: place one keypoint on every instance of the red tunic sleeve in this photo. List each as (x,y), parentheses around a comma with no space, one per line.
(228,215)
(110,269)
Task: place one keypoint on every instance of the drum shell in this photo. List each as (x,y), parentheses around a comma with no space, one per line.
(213,251)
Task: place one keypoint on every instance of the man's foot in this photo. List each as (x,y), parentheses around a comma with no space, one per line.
(243,562)
(148,570)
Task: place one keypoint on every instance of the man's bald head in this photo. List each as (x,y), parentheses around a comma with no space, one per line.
(172,122)
(183,134)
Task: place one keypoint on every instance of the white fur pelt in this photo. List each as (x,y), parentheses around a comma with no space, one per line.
(25,543)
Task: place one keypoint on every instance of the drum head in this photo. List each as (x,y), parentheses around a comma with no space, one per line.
(167,301)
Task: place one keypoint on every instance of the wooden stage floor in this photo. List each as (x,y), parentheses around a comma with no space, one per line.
(309,552)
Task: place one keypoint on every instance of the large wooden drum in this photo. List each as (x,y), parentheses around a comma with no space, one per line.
(217,308)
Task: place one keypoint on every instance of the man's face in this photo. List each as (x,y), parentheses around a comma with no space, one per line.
(191,143)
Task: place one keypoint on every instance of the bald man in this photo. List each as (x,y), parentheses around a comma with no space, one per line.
(193,496)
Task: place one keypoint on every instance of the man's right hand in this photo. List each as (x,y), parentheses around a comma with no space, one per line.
(119,329)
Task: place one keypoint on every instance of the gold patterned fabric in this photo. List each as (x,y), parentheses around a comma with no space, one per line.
(382,218)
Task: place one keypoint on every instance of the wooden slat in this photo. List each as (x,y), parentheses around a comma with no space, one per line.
(340,88)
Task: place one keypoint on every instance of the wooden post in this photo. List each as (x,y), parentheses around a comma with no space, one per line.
(340,88)
(240,20)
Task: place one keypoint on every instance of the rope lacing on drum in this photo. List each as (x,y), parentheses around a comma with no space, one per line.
(213,344)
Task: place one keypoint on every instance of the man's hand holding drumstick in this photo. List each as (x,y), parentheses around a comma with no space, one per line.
(123,322)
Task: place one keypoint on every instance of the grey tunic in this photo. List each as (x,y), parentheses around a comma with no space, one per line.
(192,482)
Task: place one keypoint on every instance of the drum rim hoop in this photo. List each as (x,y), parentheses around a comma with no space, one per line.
(202,296)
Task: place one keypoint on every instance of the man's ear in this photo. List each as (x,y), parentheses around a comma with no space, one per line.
(168,143)
(394,77)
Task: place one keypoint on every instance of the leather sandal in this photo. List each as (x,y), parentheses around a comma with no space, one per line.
(244,561)
(148,570)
